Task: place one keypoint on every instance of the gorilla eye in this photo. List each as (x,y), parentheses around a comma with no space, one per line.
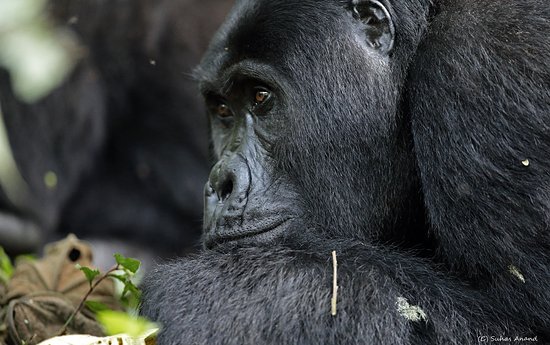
(261,96)
(223,111)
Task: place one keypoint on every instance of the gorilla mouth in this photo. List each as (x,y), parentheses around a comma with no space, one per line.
(259,231)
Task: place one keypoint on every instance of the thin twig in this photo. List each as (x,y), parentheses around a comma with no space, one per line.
(83,300)
(334,284)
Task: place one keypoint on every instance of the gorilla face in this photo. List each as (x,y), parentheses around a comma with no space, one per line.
(306,130)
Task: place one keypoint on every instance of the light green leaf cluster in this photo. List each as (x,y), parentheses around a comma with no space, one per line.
(115,322)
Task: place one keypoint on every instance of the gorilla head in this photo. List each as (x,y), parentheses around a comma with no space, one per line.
(411,137)
(305,121)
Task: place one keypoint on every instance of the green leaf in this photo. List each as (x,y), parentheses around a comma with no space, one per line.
(130,264)
(131,288)
(96,306)
(88,272)
(115,322)
(121,277)
(131,295)
(5,263)
(6,267)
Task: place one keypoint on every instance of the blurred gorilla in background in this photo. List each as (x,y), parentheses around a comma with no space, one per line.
(124,138)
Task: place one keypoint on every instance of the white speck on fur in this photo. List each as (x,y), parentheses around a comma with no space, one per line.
(410,312)
(516,273)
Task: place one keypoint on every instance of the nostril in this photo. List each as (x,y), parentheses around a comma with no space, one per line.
(226,190)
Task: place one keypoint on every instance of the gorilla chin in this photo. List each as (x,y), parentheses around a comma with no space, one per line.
(238,218)
(256,233)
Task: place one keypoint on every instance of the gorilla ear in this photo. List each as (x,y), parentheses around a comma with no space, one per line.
(379,28)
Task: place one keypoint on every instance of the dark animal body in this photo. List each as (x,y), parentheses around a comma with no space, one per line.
(125,134)
(411,137)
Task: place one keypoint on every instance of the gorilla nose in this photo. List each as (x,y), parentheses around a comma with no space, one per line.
(229,181)
(226,189)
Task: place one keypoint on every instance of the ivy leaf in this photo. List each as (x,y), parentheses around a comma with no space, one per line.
(88,272)
(129,264)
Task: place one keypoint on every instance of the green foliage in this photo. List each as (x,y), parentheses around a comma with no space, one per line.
(90,274)
(96,306)
(132,265)
(123,271)
(130,295)
(115,322)
(6,267)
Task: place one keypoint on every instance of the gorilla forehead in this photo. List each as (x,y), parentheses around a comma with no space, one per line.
(277,33)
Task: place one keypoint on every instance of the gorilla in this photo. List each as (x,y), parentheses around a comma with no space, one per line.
(125,135)
(410,137)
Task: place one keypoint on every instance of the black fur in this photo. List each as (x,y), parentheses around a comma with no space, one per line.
(279,295)
(411,165)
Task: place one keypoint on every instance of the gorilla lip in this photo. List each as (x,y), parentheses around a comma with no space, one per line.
(214,238)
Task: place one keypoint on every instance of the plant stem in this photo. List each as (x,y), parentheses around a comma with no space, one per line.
(93,285)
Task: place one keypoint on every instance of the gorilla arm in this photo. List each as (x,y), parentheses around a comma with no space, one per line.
(259,296)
